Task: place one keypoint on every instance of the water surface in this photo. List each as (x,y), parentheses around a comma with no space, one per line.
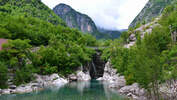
(92,90)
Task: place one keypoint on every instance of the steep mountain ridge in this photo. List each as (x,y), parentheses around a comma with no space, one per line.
(83,22)
(75,19)
(151,10)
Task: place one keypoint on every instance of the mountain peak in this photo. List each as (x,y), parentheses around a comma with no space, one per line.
(63,8)
(75,19)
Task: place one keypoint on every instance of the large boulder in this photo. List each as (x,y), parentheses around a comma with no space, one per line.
(5,91)
(24,89)
(133,91)
(110,75)
(81,76)
(72,77)
(169,88)
(132,37)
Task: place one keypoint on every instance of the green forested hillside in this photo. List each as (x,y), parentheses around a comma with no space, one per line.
(38,42)
(152,60)
(30,8)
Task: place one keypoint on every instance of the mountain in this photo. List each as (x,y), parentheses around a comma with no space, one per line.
(75,19)
(30,8)
(83,22)
(151,10)
(113,34)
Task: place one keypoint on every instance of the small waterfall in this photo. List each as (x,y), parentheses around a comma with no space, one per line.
(96,65)
(94,68)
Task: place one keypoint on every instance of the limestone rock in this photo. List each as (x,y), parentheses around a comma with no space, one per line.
(169,88)
(133,91)
(81,76)
(115,81)
(22,89)
(72,77)
(132,37)
(59,82)
(110,75)
(6,91)
(38,84)
(142,30)
(75,19)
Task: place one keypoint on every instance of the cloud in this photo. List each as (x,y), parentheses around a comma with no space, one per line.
(109,14)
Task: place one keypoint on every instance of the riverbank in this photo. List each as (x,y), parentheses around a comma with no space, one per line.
(167,90)
(118,82)
(110,76)
(40,82)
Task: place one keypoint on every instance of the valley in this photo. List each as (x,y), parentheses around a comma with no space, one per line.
(61,54)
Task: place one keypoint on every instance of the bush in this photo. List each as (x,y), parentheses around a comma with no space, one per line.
(24,75)
(3,75)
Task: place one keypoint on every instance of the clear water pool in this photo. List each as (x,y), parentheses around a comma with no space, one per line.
(92,90)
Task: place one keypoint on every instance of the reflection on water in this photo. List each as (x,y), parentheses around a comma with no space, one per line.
(92,90)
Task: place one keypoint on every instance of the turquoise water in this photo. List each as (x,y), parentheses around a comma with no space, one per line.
(92,90)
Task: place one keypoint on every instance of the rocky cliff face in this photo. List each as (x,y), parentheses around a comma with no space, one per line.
(75,19)
(83,22)
(151,10)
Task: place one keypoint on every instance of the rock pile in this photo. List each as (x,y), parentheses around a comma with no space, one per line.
(119,82)
(80,76)
(36,85)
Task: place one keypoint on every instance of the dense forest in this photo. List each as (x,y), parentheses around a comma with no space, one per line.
(38,42)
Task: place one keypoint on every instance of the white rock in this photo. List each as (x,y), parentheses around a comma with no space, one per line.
(59,82)
(110,75)
(25,89)
(6,91)
(72,77)
(100,79)
(40,82)
(133,89)
(54,76)
(81,76)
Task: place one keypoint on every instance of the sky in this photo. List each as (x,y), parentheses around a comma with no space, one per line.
(108,14)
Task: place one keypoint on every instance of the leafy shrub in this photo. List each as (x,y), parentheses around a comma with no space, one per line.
(3,75)
(24,75)
(50,70)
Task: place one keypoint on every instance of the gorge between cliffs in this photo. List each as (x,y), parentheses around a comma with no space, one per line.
(88,50)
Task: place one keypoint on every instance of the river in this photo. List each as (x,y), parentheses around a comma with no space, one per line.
(91,90)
